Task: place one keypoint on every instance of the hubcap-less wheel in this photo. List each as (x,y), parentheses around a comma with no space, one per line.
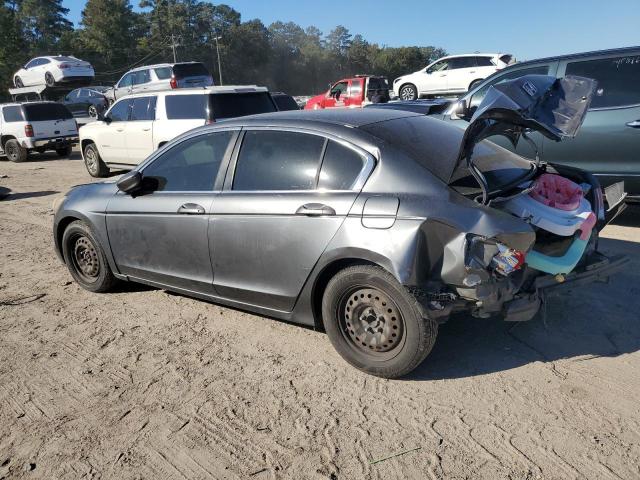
(12,151)
(371,322)
(408,93)
(85,258)
(93,111)
(18,82)
(49,80)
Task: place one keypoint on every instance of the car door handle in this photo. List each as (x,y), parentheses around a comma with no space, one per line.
(633,124)
(443,75)
(472,71)
(119,129)
(315,210)
(191,209)
(146,129)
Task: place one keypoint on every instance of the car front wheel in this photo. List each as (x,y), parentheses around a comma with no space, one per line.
(86,259)
(95,166)
(374,323)
(18,82)
(408,92)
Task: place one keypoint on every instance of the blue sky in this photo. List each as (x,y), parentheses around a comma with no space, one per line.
(526,29)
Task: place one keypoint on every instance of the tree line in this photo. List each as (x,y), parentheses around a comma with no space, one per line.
(114,37)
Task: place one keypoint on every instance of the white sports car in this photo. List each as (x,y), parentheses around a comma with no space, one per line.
(51,71)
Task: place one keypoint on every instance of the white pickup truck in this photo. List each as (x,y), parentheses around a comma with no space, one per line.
(36,126)
(136,125)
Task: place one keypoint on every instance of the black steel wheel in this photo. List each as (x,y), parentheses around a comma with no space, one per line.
(408,92)
(49,80)
(14,151)
(85,258)
(18,82)
(374,323)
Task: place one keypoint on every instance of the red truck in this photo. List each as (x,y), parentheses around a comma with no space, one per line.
(353,92)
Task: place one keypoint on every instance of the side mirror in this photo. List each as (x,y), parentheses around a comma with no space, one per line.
(104,118)
(460,110)
(130,182)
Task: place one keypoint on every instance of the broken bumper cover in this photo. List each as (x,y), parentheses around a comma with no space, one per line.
(599,268)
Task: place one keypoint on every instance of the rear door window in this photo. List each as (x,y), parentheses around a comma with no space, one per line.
(43,112)
(229,105)
(182,107)
(163,73)
(341,167)
(183,70)
(12,114)
(484,62)
(461,62)
(618,80)
(143,108)
(190,166)
(141,77)
(277,160)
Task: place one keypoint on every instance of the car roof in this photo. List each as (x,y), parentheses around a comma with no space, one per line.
(201,90)
(611,51)
(351,118)
(159,65)
(478,54)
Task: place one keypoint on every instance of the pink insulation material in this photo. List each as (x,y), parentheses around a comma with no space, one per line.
(557,192)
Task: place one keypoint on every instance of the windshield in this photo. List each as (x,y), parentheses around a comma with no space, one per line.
(42,112)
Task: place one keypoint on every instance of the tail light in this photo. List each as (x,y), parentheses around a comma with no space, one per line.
(507,260)
(65,65)
(173,82)
(28,130)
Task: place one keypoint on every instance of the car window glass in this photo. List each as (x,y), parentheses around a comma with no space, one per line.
(439,66)
(461,62)
(83,92)
(120,111)
(229,105)
(44,61)
(341,87)
(186,107)
(190,166)
(483,62)
(479,94)
(618,80)
(12,114)
(340,167)
(275,160)
(126,80)
(356,88)
(163,73)
(32,63)
(143,108)
(141,77)
(46,111)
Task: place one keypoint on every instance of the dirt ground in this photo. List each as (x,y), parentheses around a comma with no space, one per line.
(147,384)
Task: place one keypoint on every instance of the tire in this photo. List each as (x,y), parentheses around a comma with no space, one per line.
(18,82)
(92,111)
(64,151)
(92,161)
(390,336)
(85,259)
(475,83)
(49,80)
(14,151)
(408,91)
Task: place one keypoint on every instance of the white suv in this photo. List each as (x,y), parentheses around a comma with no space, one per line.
(136,125)
(36,126)
(450,75)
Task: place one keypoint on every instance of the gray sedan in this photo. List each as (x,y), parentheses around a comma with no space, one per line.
(366,224)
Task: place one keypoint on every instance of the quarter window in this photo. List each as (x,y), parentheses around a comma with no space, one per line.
(12,114)
(272,160)
(190,166)
(618,80)
(181,107)
(340,167)
(120,111)
(143,108)
(163,73)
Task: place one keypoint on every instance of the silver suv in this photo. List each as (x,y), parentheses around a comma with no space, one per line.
(163,76)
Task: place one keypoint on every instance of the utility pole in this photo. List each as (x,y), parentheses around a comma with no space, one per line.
(174,44)
(216,38)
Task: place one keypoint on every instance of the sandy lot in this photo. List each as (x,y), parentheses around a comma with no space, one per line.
(147,384)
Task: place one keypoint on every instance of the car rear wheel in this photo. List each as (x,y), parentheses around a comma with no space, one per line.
(374,323)
(49,80)
(95,166)
(86,259)
(18,82)
(14,151)
(64,151)
(92,111)
(408,92)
